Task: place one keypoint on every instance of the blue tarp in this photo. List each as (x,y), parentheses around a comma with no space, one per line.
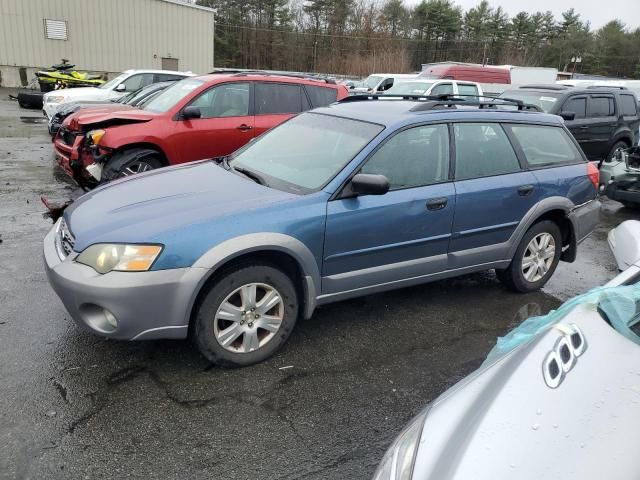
(621,306)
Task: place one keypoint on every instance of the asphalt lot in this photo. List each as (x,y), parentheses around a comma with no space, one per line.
(73,405)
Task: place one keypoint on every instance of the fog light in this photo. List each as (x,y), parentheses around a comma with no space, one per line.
(111,320)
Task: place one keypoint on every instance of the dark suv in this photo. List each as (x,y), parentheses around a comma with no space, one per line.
(602,120)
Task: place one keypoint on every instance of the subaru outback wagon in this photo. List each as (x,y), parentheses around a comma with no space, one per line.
(352,199)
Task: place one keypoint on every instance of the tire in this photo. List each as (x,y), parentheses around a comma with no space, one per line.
(130,162)
(520,279)
(616,146)
(30,99)
(221,310)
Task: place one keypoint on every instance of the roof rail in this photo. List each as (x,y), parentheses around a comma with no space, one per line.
(546,86)
(241,72)
(427,102)
(607,87)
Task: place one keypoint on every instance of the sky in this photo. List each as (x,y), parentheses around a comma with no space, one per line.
(598,12)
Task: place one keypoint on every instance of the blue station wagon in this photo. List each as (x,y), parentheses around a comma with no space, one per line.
(359,197)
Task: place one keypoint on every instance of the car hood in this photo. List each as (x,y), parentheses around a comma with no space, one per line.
(151,206)
(504,422)
(70,94)
(104,116)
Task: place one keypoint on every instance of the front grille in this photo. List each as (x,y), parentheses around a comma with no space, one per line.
(65,240)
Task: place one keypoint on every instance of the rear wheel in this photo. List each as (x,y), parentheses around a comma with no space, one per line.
(131,162)
(535,259)
(617,147)
(246,316)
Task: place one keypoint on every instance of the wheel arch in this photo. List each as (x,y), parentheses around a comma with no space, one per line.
(556,209)
(143,145)
(279,250)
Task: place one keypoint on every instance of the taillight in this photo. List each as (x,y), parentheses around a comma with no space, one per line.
(594,174)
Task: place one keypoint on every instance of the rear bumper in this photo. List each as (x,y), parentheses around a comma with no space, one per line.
(585,219)
(146,305)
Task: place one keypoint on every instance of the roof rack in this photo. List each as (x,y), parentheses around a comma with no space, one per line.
(432,102)
(546,86)
(239,72)
(607,87)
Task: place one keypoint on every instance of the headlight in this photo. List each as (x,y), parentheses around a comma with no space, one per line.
(55,99)
(95,136)
(105,257)
(397,463)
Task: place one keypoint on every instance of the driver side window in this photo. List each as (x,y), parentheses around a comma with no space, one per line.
(414,157)
(136,82)
(228,100)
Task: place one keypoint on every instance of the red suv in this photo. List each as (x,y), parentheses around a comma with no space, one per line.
(197,118)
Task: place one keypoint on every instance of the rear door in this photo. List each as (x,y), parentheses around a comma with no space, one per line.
(225,124)
(405,233)
(276,102)
(493,193)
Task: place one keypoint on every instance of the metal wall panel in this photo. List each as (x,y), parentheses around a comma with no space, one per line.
(110,36)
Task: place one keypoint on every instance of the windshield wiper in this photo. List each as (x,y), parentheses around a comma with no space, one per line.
(250,174)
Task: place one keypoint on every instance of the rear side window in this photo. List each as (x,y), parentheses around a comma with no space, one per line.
(483,150)
(412,158)
(443,88)
(321,96)
(629,105)
(601,107)
(274,98)
(466,89)
(577,106)
(544,145)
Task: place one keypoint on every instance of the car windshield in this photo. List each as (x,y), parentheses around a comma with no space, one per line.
(372,81)
(303,154)
(409,88)
(545,100)
(172,95)
(113,82)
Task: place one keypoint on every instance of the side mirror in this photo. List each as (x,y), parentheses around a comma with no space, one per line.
(121,88)
(568,115)
(191,112)
(369,184)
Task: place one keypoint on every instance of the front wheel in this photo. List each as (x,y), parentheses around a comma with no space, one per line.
(131,162)
(535,259)
(246,316)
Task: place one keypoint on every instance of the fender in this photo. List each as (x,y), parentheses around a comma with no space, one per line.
(623,133)
(222,253)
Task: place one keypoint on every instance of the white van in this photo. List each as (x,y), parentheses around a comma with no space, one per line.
(435,87)
(379,82)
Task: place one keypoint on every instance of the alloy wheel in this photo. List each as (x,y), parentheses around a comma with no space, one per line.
(538,257)
(133,168)
(248,318)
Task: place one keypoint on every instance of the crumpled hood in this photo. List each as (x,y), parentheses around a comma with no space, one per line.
(119,115)
(156,206)
(503,422)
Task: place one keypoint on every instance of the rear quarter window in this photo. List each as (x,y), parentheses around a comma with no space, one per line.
(321,96)
(629,105)
(545,146)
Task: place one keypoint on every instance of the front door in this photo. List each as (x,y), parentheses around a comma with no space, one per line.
(493,193)
(372,240)
(224,126)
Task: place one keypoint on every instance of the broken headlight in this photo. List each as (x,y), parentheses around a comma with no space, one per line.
(107,257)
(94,136)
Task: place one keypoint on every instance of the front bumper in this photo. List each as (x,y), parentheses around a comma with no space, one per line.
(49,109)
(147,305)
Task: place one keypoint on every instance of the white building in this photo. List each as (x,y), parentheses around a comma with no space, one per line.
(103,36)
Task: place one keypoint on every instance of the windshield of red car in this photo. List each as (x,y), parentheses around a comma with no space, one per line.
(303,154)
(172,95)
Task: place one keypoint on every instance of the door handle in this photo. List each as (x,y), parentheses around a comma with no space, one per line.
(525,190)
(583,127)
(244,127)
(437,203)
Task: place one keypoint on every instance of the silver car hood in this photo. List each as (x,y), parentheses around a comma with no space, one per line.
(504,422)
